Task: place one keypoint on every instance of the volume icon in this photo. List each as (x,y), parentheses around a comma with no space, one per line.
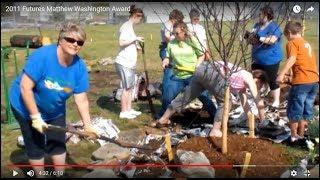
(30,173)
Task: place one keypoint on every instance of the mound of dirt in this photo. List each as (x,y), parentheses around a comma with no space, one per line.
(270,159)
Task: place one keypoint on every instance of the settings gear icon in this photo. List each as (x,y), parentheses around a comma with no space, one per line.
(293,173)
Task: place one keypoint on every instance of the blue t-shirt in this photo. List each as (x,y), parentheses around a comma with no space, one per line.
(266,54)
(54,83)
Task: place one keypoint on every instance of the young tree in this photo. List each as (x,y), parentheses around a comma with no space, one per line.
(226,24)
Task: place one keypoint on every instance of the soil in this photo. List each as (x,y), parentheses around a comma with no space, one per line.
(263,152)
(272,157)
(103,79)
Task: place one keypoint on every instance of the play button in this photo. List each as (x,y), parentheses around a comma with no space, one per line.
(14,173)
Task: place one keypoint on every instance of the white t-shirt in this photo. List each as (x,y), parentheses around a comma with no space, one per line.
(199,32)
(166,27)
(127,56)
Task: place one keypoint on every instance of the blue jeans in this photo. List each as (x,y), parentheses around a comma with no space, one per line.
(300,101)
(166,82)
(173,86)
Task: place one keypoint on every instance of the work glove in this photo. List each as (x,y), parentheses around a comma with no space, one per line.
(38,123)
(91,132)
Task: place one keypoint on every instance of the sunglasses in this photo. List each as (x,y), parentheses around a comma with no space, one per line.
(177,33)
(71,40)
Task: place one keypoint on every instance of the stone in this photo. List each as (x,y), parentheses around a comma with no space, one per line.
(314,172)
(189,158)
(286,174)
(129,170)
(113,163)
(101,173)
(133,136)
(109,151)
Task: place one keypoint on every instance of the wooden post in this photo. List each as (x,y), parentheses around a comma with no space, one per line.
(225,118)
(168,147)
(245,164)
(251,124)
(151,37)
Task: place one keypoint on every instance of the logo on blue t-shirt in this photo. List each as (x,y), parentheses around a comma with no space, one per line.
(52,84)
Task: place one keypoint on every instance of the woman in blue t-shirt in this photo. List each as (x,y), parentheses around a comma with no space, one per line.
(38,96)
(267,53)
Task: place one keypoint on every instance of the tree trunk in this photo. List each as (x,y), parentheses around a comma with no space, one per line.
(251,124)
(225,118)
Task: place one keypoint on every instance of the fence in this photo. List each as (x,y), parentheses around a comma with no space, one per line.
(5,51)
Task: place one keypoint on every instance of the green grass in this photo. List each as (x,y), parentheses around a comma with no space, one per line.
(104,44)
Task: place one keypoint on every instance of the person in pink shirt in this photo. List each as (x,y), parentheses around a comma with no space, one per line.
(211,76)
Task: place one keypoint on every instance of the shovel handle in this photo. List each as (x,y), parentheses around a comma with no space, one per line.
(84,134)
(61,129)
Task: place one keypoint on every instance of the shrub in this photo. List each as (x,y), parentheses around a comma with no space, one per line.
(313,129)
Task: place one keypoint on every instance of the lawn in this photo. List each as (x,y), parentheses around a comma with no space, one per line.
(101,43)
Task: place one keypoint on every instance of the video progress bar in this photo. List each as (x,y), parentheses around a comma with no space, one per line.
(252,165)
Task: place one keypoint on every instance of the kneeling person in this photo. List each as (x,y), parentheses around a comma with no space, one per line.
(211,76)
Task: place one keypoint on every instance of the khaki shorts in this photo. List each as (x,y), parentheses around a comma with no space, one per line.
(127,76)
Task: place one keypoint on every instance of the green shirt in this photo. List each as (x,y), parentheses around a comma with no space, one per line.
(184,56)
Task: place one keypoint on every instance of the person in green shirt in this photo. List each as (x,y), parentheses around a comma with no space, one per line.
(186,54)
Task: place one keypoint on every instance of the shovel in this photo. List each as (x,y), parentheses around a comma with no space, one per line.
(152,110)
(85,134)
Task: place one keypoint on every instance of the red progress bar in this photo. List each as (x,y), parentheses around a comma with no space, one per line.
(223,166)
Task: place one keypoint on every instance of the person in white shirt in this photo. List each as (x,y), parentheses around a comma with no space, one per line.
(197,30)
(127,59)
